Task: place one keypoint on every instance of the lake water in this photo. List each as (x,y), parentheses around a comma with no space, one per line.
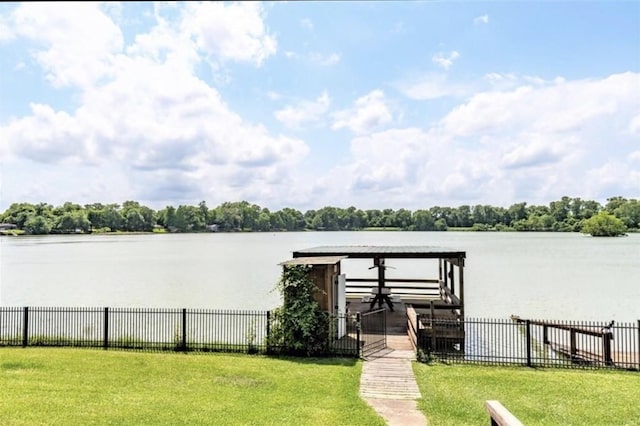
(538,275)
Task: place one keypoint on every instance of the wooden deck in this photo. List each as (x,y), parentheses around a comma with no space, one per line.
(396,320)
(625,360)
(388,377)
(398,337)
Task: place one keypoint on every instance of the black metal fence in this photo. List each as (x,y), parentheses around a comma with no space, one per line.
(533,343)
(145,329)
(373,331)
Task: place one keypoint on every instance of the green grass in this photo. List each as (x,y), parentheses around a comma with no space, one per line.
(455,395)
(83,386)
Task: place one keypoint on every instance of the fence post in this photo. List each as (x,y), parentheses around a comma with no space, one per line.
(545,334)
(268,330)
(638,341)
(184,329)
(607,338)
(25,327)
(358,327)
(433,325)
(574,344)
(105,339)
(528,328)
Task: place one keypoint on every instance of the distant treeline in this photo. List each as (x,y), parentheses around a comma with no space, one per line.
(567,214)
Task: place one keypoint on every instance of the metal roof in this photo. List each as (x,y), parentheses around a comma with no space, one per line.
(315,260)
(388,252)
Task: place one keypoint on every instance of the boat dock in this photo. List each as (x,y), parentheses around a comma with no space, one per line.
(586,343)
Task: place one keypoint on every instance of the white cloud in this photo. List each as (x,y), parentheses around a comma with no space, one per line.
(533,150)
(306,23)
(536,143)
(235,31)
(78,42)
(273,95)
(45,136)
(484,19)
(445,61)
(368,113)
(324,60)
(613,177)
(432,86)
(142,123)
(164,127)
(6,33)
(555,107)
(294,115)
(634,125)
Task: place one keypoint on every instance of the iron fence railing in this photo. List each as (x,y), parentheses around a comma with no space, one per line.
(153,329)
(534,343)
(373,331)
(514,341)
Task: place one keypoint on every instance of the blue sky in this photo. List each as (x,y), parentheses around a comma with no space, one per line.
(310,104)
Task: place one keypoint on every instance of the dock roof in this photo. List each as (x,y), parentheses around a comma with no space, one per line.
(313,260)
(388,252)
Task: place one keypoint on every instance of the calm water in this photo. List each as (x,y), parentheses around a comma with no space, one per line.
(542,275)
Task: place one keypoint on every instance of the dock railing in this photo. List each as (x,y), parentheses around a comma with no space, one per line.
(499,415)
(532,343)
(398,287)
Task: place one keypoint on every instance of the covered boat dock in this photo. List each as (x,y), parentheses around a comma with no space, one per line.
(413,283)
(443,286)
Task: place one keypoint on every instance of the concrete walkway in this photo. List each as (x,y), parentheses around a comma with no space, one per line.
(389,386)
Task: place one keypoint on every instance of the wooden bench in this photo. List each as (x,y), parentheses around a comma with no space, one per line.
(500,416)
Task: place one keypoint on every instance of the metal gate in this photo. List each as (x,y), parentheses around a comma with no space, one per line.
(373,331)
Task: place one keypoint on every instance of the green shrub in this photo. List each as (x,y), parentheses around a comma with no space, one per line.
(604,224)
(299,326)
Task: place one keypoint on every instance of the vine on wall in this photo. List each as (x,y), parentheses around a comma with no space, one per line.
(299,326)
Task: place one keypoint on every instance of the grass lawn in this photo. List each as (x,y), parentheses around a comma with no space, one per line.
(455,395)
(83,386)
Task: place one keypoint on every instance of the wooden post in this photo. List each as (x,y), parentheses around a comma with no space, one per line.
(380,262)
(461,269)
(638,353)
(446,275)
(500,416)
(453,279)
(574,348)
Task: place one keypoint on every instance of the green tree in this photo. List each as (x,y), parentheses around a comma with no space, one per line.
(629,213)
(38,225)
(604,224)
(18,213)
(72,220)
(423,221)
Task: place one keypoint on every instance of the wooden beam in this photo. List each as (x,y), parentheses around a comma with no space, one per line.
(500,416)
(461,285)
(393,280)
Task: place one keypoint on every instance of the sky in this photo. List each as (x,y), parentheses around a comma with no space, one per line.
(388,104)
